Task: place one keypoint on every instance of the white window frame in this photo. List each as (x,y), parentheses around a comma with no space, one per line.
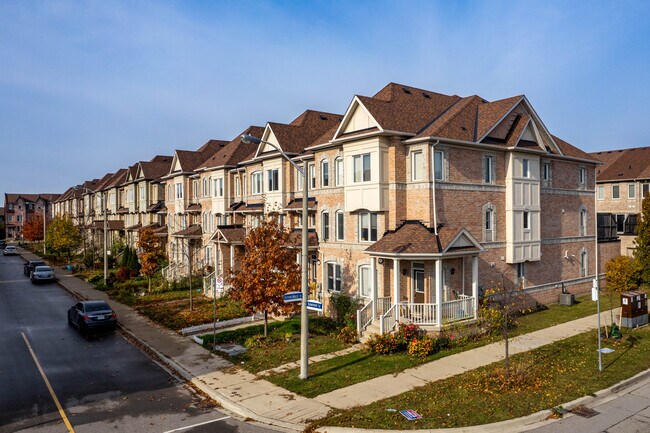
(365,281)
(273,180)
(600,192)
(417,165)
(631,188)
(582,221)
(616,188)
(368,217)
(584,262)
(237,186)
(360,172)
(325,225)
(312,176)
(217,189)
(206,187)
(525,168)
(333,280)
(339,223)
(525,220)
(195,189)
(179,191)
(546,171)
(338,167)
(257,182)
(324,173)
(489,234)
(582,176)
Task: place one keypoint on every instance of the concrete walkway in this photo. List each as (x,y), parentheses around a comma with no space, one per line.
(252,397)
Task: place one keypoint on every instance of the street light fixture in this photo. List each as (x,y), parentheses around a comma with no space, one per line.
(304,319)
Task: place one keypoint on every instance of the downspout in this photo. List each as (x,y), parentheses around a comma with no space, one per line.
(433,177)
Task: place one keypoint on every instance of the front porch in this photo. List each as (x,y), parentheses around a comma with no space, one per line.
(427,278)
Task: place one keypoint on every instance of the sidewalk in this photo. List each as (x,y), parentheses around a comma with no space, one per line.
(252,397)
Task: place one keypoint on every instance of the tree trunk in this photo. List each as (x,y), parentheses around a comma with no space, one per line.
(505,335)
(149,283)
(266,324)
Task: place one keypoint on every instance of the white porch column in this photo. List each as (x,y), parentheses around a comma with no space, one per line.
(475,284)
(395,281)
(373,286)
(439,291)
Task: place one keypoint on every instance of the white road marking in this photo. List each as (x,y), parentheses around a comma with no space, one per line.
(196,425)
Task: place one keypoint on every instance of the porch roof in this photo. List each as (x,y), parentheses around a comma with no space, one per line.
(413,238)
(229,234)
(110,225)
(134,227)
(194,231)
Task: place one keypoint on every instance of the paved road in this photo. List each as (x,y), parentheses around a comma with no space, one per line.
(625,413)
(103,383)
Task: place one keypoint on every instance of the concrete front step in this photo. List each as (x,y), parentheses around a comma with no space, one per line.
(373,328)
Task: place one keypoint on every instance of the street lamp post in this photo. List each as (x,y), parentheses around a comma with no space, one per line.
(44,231)
(304,319)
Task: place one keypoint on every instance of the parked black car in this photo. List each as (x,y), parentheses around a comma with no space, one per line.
(29,266)
(92,315)
(3,243)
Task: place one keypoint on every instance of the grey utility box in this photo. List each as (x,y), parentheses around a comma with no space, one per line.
(567,299)
(634,309)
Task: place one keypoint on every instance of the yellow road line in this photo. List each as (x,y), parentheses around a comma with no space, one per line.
(49,387)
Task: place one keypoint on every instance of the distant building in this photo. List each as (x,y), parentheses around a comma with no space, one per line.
(20,208)
(621,183)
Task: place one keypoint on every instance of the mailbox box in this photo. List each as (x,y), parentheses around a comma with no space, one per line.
(634,309)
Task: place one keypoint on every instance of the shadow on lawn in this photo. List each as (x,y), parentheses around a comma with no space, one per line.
(630,342)
(338,367)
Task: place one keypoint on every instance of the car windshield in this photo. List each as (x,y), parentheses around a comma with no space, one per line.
(43,269)
(99,306)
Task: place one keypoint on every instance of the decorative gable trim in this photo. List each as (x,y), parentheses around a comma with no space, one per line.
(463,240)
(355,105)
(267,135)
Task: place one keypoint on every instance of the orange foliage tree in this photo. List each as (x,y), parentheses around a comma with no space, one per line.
(151,253)
(268,270)
(33,228)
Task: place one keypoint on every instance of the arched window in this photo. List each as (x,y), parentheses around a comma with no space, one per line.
(584,258)
(582,221)
(489,223)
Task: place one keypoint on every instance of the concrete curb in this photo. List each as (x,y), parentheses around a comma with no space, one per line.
(180,370)
(522,424)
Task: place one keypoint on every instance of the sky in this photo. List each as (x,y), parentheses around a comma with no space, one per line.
(88,87)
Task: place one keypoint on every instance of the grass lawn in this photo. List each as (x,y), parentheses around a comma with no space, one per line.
(360,366)
(545,377)
(275,350)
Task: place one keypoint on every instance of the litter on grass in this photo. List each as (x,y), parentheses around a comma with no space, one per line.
(410,414)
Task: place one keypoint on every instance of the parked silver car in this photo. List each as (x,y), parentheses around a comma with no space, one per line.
(10,250)
(42,274)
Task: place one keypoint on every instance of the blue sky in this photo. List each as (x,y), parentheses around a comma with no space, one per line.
(89,87)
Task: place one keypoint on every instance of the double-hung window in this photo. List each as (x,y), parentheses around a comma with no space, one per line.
(338,166)
(361,164)
(324,173)
(367,227)
(417,165)
(179,190)
(582,176)
(206,187)
(333,277)
(273,180)
(631,190)
(340,226)
(325,226)
(218,187)
(312,176)
(616,192)
(489,225)
(601,192)
(237,186)
(525,168)
(256,183)
(546,171)
(364,281)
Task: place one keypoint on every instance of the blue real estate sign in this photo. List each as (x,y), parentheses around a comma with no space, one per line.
(293,297)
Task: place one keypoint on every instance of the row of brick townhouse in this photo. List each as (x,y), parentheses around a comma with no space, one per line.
(622,182)
(20,208)
(417,201)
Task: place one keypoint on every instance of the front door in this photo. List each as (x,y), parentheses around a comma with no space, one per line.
(417,278)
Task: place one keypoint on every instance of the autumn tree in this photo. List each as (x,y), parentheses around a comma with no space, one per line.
(500,310)
(152,252)
(63,236)
(33,228)
(268,270)
(622,274)
(642,240)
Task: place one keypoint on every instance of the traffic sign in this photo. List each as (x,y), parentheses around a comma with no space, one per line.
(218,282)
(293,297)
(314,305)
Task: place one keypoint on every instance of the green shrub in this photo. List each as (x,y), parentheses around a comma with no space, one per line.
(345,308)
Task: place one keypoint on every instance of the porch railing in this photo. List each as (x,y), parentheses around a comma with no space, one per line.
(383,304)
(208,285)
(389,319)
(419,314)
(364,317)
(459,309)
